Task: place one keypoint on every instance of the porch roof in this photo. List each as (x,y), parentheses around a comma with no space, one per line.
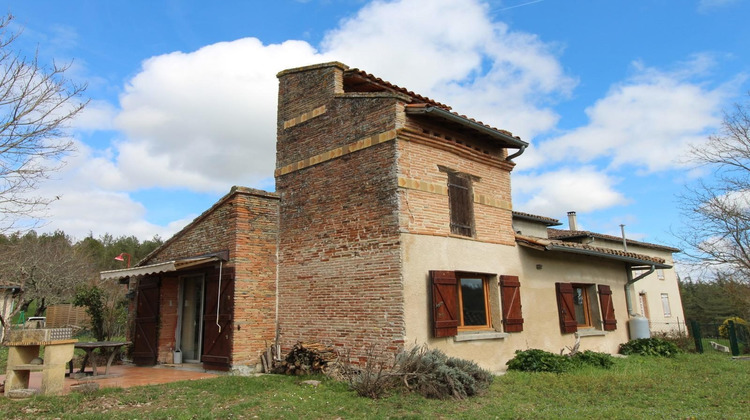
(161,267)
(630,258)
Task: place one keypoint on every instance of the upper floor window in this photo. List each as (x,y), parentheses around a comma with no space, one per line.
(461,200)
(665,305)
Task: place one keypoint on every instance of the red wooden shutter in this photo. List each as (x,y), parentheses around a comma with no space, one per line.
(444,303)
(565,308)
(510,290)
(217,339)
(608,311)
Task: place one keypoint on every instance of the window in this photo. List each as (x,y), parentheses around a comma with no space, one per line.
(660,274)
(581,305)
(577,307)
(643,302)
(473,299)
(461,200)
(462,302)
(665,305)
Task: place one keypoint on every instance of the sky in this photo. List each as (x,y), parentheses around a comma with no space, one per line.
(609,94)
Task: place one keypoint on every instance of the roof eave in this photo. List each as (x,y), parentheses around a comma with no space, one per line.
(432,111)
(623,258)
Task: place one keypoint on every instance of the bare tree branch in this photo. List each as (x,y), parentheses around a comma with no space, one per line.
(719,210)
(37,104)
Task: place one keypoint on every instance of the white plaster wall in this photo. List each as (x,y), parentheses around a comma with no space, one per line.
(539,304)
(654,287)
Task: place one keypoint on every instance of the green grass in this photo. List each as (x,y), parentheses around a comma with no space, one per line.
(690,385)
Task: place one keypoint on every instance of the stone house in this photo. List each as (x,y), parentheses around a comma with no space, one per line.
(391,225)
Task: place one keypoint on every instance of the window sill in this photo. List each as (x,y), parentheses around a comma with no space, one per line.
(483,335)
(591,333)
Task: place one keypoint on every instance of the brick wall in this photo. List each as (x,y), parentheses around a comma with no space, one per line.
(339,251)
(424,201)
(168,305)
(244,223)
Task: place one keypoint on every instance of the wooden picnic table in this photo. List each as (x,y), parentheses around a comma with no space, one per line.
(90,346)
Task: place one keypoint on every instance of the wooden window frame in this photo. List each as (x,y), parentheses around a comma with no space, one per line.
(487,305)
(587,323)
(461,203)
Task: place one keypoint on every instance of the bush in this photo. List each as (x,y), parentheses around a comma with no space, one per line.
(535,360)
(593,358)
(649,347)
(679,339)
(429,373)
(740,327)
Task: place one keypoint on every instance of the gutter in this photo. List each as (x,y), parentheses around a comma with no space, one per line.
(450,116)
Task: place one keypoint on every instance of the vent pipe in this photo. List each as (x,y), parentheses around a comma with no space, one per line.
(624,241)
(572,224)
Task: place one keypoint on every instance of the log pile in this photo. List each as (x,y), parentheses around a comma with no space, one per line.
(305,359)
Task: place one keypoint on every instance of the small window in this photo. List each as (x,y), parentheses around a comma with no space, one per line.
(473,299)
(665,305)
(660,274)
(461,204)
(581,305)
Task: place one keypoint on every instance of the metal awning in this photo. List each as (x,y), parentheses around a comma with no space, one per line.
(162,267)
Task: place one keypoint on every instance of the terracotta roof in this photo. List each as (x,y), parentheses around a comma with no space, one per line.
(574,247)
(370,83)
(368,80)
(528,216)
(564,234)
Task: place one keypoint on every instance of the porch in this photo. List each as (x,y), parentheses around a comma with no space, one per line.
(126,376)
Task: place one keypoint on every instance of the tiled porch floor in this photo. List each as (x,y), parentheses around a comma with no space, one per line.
(125,376)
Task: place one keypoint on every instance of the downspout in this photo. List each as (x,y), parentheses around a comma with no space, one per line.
(517,154)
(631,280)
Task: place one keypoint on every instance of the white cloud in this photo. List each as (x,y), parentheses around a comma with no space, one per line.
(648,121)
(205,120)
(582,189)
(452,51)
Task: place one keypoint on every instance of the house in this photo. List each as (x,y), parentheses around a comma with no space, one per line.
(391,225)
(656,298)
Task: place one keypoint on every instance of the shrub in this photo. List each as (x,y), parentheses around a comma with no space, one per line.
(429,373)
(679,339)
(740,327)
(535,360)
(593,358)
(649,347)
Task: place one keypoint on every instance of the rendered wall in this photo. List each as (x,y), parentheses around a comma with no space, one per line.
(541,323)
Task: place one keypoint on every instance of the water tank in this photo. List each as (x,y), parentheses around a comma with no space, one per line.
(639,328)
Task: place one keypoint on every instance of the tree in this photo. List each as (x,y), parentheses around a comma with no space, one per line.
(36,105)
(719,209)
(48,268)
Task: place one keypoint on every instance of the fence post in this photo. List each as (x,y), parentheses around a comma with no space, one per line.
(697,336)
(733,344)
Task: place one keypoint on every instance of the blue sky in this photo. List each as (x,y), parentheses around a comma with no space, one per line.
(610,94)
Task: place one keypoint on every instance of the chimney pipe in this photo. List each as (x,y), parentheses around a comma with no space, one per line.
(572,224)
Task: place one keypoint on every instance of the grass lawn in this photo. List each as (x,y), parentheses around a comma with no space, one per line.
(710,385)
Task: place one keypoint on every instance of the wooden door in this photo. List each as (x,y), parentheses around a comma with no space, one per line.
(145,339)
(217,330)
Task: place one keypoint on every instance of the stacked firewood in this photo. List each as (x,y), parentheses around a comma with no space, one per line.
(304,359)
